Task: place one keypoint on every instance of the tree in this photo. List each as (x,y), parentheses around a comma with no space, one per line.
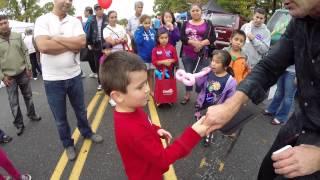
(174,5)
(26,10)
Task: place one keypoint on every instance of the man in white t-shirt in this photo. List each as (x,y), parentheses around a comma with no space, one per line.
(60,38)
(133,22)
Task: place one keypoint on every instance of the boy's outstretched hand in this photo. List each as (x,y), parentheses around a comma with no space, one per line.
(165,135)
(200,127)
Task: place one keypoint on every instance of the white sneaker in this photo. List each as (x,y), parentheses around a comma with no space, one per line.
(112,102)
(93,75)
(99,88)
(83,75)
(2,84)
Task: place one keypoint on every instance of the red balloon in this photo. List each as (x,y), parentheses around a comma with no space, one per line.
(105,4)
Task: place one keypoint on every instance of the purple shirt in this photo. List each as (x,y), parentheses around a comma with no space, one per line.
(194,32)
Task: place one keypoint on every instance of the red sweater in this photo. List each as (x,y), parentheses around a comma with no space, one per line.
(140,147)
(161,53)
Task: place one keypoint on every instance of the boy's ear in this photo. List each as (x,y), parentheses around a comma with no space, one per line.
(117,96)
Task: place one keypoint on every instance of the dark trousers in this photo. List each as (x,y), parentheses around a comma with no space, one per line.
(96,56)
(92,62)
(57,92)
(22,82)
(35,65)
(293,134)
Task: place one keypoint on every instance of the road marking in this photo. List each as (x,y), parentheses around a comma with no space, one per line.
(170,174)
(76,134)
(82,156)
(221,166)
(203,163)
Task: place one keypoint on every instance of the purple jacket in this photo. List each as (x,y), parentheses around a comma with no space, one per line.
(227,92)
(174,35)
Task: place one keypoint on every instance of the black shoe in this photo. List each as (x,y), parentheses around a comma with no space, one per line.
(5,139)
(35,118)
(20,130)
(206,141)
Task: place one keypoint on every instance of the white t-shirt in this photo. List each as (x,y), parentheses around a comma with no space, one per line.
(28,42)
(117,32)
(133,24)
(66,65)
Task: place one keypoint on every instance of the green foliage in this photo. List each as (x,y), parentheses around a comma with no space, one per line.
(174,5)
(26,10)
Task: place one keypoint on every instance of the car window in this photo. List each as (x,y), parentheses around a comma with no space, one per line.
(279,21)
(222,20)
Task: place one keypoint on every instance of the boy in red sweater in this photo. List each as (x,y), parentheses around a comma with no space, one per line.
(124,78)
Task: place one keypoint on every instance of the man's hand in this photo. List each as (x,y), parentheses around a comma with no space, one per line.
(251,36)
(297,161)
(165,134)
(7,80)
(29,73)
(219,115)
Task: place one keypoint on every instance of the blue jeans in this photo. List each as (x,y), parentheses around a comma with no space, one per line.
(190,63)
(57,92)
(284,96)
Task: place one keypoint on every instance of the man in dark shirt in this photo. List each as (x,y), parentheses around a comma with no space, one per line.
(300,45)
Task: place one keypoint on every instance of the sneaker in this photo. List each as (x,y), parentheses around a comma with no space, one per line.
(5,139)
(71,153)
(2,84)
(35,118)
(99,88)
(35,78)
(267,113)
(96,138)
(83,75)
(20,130)
(112,102)
(25,177)
(93,75)
(276,121)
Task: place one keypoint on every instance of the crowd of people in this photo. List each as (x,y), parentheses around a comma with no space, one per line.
(124,61)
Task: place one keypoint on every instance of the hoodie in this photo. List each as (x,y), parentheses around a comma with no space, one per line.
(259,46)
(145,42)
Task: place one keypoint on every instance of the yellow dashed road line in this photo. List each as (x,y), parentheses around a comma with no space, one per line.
(63,161)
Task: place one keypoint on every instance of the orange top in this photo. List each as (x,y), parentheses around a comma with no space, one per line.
(240,68)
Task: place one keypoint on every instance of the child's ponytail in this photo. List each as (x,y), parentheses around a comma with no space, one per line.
(230,71)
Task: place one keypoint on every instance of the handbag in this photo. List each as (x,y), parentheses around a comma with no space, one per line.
(165,89)
(85,54)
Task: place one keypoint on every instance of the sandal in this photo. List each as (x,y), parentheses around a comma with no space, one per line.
(276,122)
(185,101)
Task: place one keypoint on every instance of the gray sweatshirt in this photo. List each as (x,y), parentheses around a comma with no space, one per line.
(259,46)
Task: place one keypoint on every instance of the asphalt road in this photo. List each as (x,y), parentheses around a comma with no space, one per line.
(39,149)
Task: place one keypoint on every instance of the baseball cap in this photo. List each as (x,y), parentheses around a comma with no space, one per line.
(96,6)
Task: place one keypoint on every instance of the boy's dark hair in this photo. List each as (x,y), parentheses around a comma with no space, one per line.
(89,10)
(143,18)
(3,17)
(240,32)
(226,60)
(160,32)
(172,15)
(114,72)
(260,11)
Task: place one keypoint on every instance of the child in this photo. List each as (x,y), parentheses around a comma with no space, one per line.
(137,139)
(217,86)
(164,55)
(145,39)
(239,62)
(169,24)
(6,164)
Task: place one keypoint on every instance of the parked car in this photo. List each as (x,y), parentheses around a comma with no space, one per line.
(277,24)
(224,24)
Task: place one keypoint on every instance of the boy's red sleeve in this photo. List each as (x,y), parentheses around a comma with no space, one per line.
(152,151)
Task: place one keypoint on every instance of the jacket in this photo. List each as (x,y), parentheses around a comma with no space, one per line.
(259,46)
(228,91)
(145,41)
(174,35)
(14,56)
(239,66)
(299,45)
(92,33)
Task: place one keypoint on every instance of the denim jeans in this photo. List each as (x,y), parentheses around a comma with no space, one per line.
(57,92)
(284,96)
(190,63)
(21,81)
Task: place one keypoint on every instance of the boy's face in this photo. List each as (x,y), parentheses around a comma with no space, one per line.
(147,24)
(137,91)
(258,19)
(237,42)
